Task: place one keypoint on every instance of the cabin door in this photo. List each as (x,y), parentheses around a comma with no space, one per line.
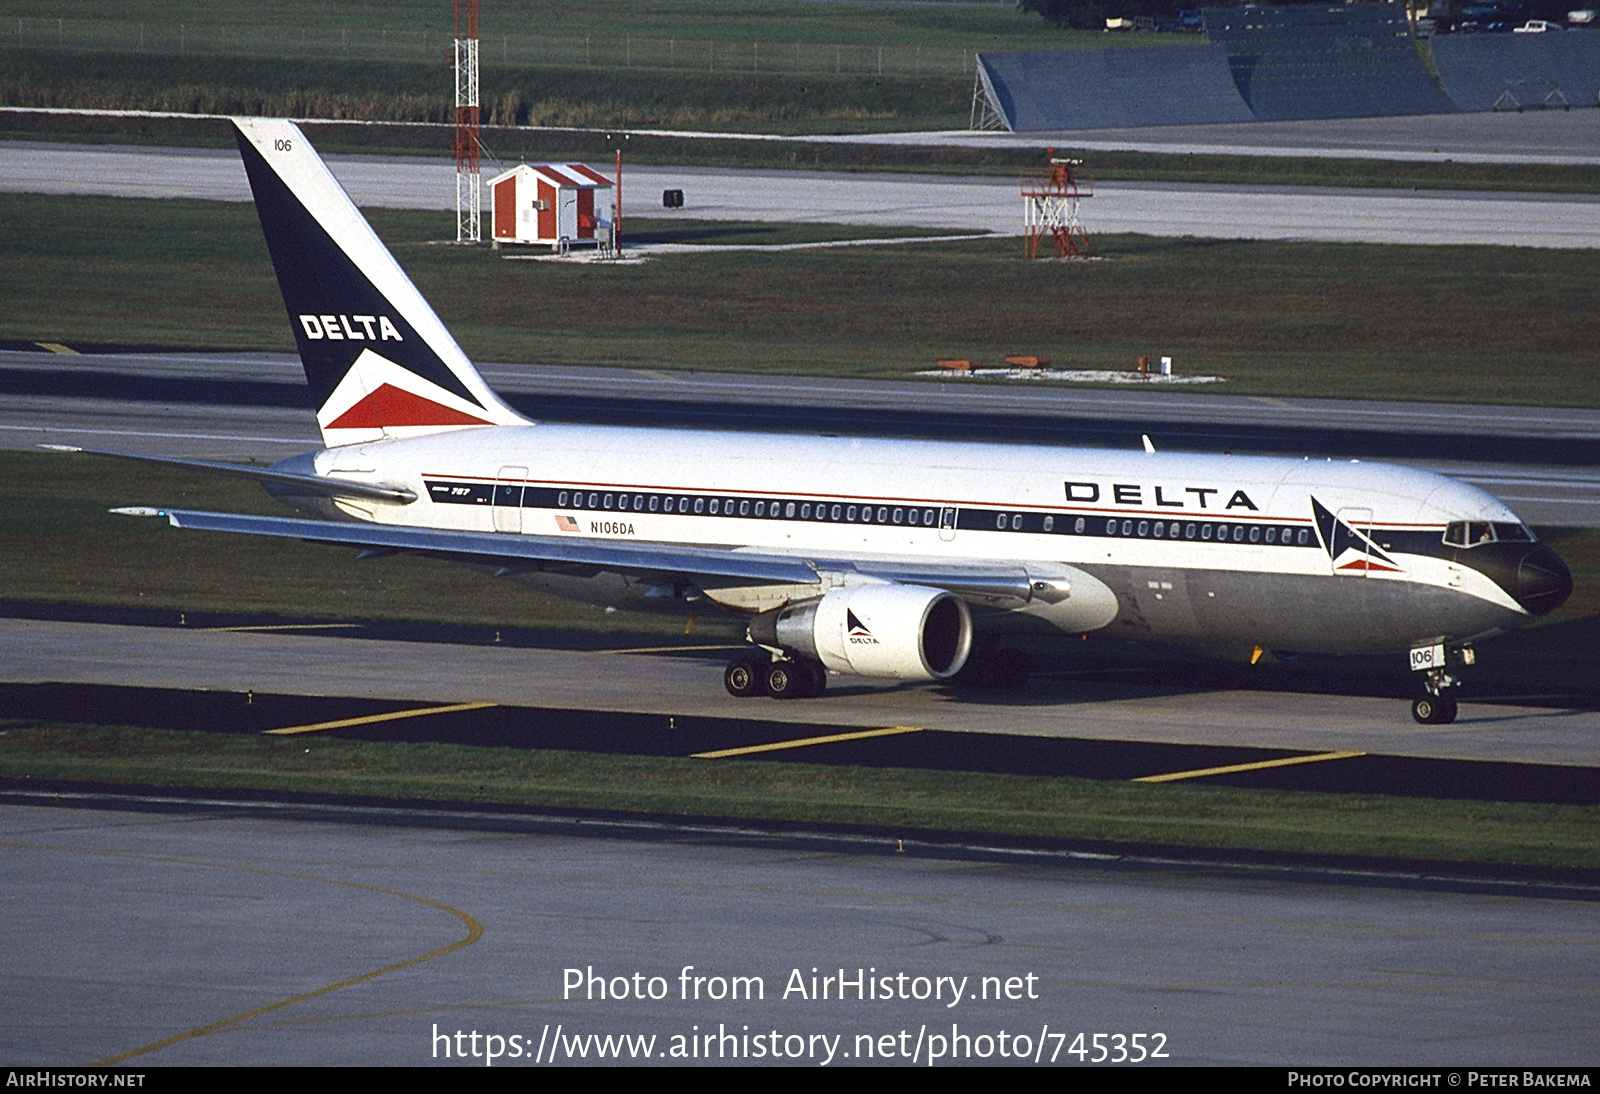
(1352,555)
(508,489)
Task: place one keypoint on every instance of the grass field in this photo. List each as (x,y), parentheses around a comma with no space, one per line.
(705,64)
(1429,323)
(910,23)
(396,91)
(891,802)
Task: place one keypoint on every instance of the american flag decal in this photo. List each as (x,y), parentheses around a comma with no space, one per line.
(566,523)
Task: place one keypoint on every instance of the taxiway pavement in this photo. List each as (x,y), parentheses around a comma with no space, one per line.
(217,936)
(678,680)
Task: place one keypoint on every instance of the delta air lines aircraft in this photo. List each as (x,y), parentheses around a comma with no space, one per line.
(887,559)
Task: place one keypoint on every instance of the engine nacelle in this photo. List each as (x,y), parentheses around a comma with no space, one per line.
(897,632)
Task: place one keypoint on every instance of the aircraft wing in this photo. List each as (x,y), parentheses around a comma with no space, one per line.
(997,585)
(509,548)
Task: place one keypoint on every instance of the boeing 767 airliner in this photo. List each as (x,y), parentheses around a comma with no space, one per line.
(875,558)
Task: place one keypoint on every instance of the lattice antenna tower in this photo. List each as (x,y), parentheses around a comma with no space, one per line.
(468,146)
(1050,208)
(984,115)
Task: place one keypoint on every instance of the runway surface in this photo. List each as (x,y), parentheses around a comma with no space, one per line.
(954,203)
(1553,137)
(210,936)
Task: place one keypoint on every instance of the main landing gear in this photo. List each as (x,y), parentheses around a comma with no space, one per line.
(783,678)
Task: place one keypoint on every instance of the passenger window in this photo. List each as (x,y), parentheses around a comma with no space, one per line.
(1049,524)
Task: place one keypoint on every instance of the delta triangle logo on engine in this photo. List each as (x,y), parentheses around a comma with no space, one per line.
(857,630)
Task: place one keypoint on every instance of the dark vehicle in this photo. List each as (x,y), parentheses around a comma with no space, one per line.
(1491,18)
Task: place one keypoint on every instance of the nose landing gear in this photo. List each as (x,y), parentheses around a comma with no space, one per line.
(1435,706)
(1433,709)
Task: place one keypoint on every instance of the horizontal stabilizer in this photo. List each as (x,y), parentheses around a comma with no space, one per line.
(314,484)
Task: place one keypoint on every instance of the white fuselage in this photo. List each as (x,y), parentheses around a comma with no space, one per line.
(1219,551)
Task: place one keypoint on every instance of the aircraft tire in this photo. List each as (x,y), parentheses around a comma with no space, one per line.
(787,679)
(1432,710)
(744,678)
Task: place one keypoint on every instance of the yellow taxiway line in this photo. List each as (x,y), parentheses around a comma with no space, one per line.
(778,746)
(1230,769)
(393,715)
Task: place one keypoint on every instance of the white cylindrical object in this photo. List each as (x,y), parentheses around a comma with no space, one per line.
(1166,366)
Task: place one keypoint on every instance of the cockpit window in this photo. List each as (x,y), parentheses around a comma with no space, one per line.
(1475,533)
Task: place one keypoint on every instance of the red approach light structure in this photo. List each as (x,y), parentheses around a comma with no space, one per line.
(468,146)
(1050,207)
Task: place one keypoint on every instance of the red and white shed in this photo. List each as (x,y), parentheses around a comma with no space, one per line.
(546,203)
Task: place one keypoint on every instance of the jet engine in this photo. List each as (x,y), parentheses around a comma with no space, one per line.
(897,632)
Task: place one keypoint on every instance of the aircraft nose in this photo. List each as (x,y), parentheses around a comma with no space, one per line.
(1543,581)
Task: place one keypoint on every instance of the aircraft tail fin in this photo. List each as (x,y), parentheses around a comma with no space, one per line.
(380,363)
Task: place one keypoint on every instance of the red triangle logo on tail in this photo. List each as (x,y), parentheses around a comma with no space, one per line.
(390,407)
